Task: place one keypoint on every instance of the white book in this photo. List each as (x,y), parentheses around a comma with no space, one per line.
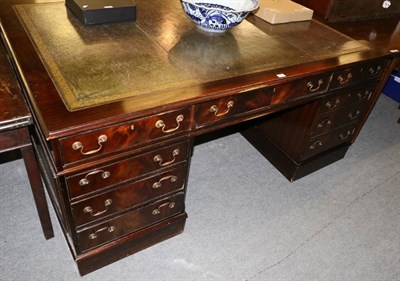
(282,11)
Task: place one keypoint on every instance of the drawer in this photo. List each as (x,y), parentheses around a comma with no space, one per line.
(346,97)
(355,74)
(329,140)
(131,222)
(301,88)
(128,195)
(220,109)
(125,135)
(124,170)
(337,118)
(374,69)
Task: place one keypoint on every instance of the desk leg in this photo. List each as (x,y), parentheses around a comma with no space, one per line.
(37,190)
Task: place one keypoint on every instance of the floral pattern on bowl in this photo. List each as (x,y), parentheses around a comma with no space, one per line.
(215,17)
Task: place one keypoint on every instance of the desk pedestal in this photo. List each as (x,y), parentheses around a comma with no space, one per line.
(287,166)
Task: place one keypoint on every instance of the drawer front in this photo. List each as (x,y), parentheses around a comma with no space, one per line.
(374,69)
(301,88)
(355,74)
(220,109)
(131,222)
(337,118)
(125,135)
(104,176)
(128,195)
(346,97)
(329,140)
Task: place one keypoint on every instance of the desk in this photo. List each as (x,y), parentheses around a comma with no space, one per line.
(15,120)
(117,108)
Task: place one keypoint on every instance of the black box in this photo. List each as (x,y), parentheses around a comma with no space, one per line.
(102,11)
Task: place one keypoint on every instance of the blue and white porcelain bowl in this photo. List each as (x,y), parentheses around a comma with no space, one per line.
(218,15)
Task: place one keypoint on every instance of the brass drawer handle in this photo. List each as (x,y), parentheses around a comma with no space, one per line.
(346,80)
(346,135)
(89,210)
(157,184)
(160,124)
(157,211)
(214,109)
(93,235)
(159,159)
(79,146)
(373,72)
(324,122)
(364,95)
(315,145)
(311,87)
(329,105)
(352,116)
(85,180)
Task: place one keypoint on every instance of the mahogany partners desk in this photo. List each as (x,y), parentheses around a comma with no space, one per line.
(117,108)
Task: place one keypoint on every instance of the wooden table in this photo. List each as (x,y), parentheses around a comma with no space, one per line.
(117,108)
(15,120)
